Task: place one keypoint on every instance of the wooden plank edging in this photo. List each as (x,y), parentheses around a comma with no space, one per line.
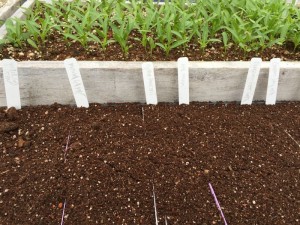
(8,9)
(46,82)
(18,14)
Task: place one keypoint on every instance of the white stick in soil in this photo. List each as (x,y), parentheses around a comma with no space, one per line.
(63,213)
(11,83)
(183,80)
(143,115)
(155,209)
(48,2)
(251,81)
(273,81)
(75,80)
(166,221)
(217,203)
(149,83)
(292,138)
(66,149)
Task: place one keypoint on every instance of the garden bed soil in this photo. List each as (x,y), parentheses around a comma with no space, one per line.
(116,153)
(58,50)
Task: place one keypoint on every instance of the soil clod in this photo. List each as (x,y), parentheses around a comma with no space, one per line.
(12,113)
(8,126)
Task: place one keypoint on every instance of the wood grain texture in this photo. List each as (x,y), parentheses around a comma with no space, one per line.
(9,8)
(19,13)
(43,83)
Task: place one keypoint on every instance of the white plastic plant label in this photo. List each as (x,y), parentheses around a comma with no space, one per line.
(273,81)
(149,83)
(251,81)
(11,83)
(183,80)
(48,2)
(75,79)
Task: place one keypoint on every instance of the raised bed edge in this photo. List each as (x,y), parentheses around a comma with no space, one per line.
(8,9)
(18,14)
(46,82)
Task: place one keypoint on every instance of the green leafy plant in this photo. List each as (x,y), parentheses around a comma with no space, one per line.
(145,25)
(15,34)
(122,31)
(204,37)
(102,31)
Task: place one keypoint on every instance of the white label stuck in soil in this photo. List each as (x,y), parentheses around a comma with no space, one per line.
(75,79)
(273,81)
(149,83)
(251,81)
(183,80)
(48,1)
(11,83)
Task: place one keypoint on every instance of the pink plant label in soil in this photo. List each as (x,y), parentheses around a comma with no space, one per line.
(273,81)
(251,81)
(217,202)
(183,80)
(149,83)
(75,79)
(11,83)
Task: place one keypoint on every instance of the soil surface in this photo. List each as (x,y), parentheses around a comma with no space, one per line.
(56,49)
(102,163)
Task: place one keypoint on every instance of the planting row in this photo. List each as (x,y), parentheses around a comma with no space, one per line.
(250,25)
(13,99)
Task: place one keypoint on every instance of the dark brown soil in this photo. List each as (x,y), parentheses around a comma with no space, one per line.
(115,154)
(57,49)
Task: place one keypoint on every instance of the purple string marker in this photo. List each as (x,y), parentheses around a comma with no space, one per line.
(217,202)
(63,213)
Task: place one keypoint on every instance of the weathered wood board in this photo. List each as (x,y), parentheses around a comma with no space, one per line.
(46,82)
(17,14)
(8,9)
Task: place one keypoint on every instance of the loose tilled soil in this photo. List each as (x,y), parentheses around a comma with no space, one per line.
(117,153)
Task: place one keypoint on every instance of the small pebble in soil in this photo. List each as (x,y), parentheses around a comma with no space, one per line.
(206,171)
(21,142)
(17,160)
(31,55)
